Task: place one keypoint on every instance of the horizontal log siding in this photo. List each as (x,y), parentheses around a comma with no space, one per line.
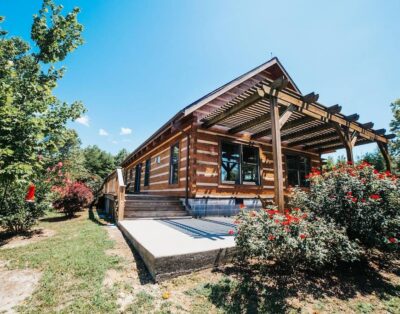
(207,172)
(159,172)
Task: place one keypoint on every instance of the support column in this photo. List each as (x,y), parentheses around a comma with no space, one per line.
(277,152)
(383,147)
(348,139)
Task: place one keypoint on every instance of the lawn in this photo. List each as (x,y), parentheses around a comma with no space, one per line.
(86,266)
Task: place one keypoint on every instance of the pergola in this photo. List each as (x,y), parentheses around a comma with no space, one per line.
(271,110)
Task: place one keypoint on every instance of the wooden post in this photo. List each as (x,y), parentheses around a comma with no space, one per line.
(277,152)
(348,139)
(383,147)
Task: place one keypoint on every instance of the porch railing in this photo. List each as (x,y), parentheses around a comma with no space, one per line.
(114,186)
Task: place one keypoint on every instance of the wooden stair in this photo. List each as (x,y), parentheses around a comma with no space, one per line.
(153,206)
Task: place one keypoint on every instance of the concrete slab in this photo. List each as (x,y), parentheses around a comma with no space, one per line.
(170,247)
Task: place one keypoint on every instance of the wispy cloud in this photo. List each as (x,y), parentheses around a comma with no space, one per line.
(84,120)
(125,131)
(103,132)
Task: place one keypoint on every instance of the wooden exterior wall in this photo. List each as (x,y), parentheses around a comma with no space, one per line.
(208,166)
(160,171)
(205,165)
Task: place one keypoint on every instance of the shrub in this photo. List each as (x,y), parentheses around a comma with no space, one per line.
(72,197)
(17,215)
(294,238)
(359,199)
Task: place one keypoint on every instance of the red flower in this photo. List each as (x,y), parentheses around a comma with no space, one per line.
(392,240)
(60,164)
(296,208)
(388,173)
(363,200)
(302,236)
(271,237)
(304,216)
(376,171)
(349,194)
(349,162)
(241,206)
(231,232)
(354,199)
(375,197)
(271,212)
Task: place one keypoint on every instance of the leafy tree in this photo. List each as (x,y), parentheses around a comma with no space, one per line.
(98,163)
(395,128)
(375,159)
(32,119)
(120,156)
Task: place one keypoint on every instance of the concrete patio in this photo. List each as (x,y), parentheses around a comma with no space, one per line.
(171,247)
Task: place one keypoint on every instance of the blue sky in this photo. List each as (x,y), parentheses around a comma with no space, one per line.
(145,60)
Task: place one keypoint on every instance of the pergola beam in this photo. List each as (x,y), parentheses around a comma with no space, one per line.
(305,132)
(289,125)
(307,141)
(334,109)
(368,125)
(249,124)
(247,102)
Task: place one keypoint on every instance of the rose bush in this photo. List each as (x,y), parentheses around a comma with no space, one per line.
(293,238)
(360,199)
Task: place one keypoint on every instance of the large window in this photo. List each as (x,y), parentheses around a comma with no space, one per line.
(174,164)
(298,167)
(147,172)
(250,164)
(239,163)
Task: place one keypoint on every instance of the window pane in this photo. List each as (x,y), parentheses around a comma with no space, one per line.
(298,167)
(230,158)
(250,164)
(174,161)
(147,173)
(250,154)
(293,178)
(250,173)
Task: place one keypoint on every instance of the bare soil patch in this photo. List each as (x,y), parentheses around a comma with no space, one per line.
(16,286)
(36,235)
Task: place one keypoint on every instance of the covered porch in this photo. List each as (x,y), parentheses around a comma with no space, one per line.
(274,111)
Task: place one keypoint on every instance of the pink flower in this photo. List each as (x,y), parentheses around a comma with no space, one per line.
(392,240)
(271,237)
(60,164)
(231,232)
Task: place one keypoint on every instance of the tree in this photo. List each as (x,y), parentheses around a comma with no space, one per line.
(120,156)
(375,159)
(98,163)
(32,119)
(395,128)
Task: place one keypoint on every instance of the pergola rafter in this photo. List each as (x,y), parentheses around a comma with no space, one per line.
(270,110)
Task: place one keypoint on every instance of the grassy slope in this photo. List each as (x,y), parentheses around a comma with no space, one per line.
(74,264)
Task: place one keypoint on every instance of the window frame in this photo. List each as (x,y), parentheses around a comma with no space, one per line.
(170,181)
(241,181)
(308,163)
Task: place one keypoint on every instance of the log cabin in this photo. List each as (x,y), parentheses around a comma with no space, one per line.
(247,141)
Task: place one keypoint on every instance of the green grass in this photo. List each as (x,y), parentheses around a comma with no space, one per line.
(73,265)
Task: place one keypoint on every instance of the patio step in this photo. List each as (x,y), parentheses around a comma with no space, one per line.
(155,214)
(153,206)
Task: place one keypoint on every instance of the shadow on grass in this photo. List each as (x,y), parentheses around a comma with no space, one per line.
(55,219)
(6,237)
(267,289)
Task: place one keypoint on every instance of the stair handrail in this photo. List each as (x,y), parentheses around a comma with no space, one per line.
(120,189)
